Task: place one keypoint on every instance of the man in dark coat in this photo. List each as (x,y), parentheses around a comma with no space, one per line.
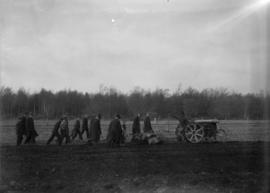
(124,131)
(76,130)
(64,130)
(55,132)
(20,130)
(136,127)
(95,129)
(179,130)
(85,126)
(115,134)
(30,130)
(147,125)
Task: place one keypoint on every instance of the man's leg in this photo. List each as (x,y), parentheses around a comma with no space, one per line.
(83,132)
(19,139)
(67,136)
(87,133)
(59,139)
(74,135)
(80,135)
(50,139)
(67,139)
(33,138)
(78,132)
(28,138)
(62,136)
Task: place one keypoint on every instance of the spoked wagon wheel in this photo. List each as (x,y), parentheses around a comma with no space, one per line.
(194,133)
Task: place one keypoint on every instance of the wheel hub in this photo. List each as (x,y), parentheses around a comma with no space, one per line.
(194,133)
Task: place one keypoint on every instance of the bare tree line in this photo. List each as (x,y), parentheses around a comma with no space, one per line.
(208,103)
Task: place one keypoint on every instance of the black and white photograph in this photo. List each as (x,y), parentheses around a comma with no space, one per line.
(134,96)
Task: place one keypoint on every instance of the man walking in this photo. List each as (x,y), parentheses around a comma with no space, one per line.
(76,130)
(179,130)
(55,132)
(85,126)
(64,130)
(20,130)
(31,133)
(136,129)
(95,129)
(115,134)
(147,125)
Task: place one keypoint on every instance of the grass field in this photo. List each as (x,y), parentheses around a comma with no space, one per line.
(237,130)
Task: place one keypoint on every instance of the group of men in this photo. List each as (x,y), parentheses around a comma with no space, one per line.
(61,130)
(25,128)
(115,135)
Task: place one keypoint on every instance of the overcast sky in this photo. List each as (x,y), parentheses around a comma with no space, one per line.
(81,44)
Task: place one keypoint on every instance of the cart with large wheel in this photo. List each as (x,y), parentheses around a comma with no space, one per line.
(203,130)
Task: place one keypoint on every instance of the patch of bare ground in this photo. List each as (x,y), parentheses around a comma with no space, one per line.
(215,167)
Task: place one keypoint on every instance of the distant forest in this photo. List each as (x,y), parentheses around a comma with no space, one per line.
(208,103)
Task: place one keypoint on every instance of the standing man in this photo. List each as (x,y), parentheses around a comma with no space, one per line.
(85,126)
(20,129)
(64,130)
(95,129)
(115,134)
(136,129)
(31,133)
(76,130)
(183,122)
(124,131)
(55,132)
(147,125)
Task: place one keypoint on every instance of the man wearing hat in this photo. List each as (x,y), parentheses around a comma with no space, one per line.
(136,128)
(55,132)
(20,129)
(31,132)
(95,130)
(76,130)
(64,130)
(147,125)
(85,126)
(115,134)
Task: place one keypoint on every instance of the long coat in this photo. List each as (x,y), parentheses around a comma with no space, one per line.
(56,127)
(64,128)
(115,134)
(85,127)
(76,128)
(136,127)
(30,127)
(84,123)
(147,125)
(55,133)
(20,130)
(77,125)
(20,127)
(95,130)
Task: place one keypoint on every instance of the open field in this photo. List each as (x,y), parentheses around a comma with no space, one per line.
(239,165)
(237,130)
(169,168)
